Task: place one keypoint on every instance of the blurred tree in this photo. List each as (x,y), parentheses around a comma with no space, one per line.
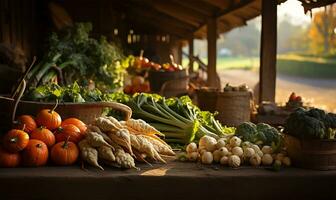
(322,31)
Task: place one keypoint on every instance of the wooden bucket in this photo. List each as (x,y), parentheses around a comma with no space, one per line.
(311,154)
(207,99)
(158,78)
(234,107)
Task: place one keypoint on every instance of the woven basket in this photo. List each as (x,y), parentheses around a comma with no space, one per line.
(87,112)
(234,107)
(311,154)
(207,98)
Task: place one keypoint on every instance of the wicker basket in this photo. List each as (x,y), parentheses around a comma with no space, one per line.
(207,98)
(234,107)
(87,112)
(311,154)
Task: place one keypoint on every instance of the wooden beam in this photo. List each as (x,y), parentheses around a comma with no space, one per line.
(234,7)
(191,54)
(198,6)
(144,21)
(212,51)
(182,14)
(268,48)
(220,3)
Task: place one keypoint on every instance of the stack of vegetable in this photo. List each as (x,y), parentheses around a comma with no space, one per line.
(178,119)
(34,141)
(118,143)
(80,57)
(233,152)
(311,124)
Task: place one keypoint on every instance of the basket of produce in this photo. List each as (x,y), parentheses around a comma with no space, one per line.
(173,73)
(234,105)
(310,139)
(72,103)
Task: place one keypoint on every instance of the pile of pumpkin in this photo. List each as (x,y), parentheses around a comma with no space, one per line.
(33,142)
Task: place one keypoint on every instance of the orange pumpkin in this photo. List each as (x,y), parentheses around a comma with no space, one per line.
(15,140)
(25,123)
(70,131)
(64,153)
(45,135)
(78,123)
(49,118)
(8,159)
(35,154)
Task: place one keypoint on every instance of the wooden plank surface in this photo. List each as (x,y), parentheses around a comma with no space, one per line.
(175,180)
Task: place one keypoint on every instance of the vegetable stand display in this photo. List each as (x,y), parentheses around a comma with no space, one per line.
(89,141)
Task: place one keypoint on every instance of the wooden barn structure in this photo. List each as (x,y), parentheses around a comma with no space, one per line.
(159,27)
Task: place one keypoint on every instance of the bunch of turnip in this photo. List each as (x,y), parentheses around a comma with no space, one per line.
(234,152)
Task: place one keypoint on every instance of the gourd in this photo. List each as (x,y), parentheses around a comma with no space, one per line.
(15,140)
(70,131)
(35,154)
(224,160)
(25,123)
(78,123)
(43,134)
(49,118)
(8,159)
(64,153)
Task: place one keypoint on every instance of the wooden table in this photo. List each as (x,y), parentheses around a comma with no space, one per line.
(172,181)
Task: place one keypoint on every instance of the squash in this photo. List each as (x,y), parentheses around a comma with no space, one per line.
(78,123)
(71,131)
(15,140)
(35,154)
(45,135)
(25,123)
(49,118)
(64,153)
(8,159)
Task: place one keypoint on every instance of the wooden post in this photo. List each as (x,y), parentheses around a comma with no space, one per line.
(212,51)
(191,53)
(268,52)
(179,53)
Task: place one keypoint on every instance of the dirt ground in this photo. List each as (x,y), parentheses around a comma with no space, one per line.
(317,92)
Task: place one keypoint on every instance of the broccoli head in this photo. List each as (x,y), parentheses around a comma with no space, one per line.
(247,131)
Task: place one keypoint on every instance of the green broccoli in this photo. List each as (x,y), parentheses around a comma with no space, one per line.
(247,131)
